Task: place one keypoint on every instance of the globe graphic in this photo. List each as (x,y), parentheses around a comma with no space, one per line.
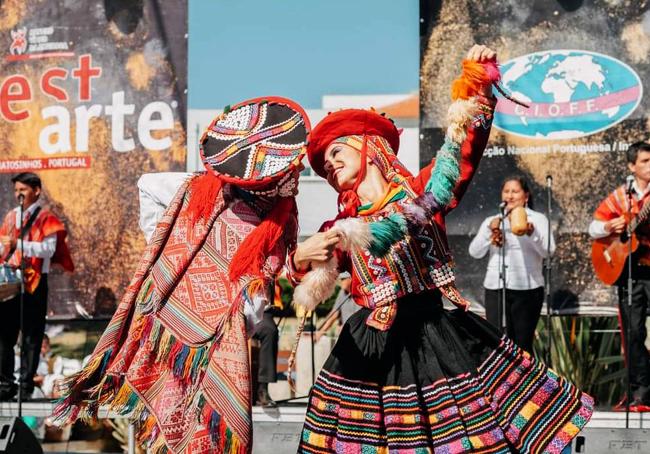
(571,93)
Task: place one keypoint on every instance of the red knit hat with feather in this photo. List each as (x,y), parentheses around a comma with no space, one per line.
(257,145)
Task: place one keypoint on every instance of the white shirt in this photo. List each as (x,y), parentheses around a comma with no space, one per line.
(42,249)
(156,191)
(524,255)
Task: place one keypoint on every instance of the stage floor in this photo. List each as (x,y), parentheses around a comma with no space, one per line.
(295,413)
(277,430)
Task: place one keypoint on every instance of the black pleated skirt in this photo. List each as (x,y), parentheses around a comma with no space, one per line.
(437,381)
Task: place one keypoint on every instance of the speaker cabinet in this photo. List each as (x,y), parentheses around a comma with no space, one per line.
(17,438)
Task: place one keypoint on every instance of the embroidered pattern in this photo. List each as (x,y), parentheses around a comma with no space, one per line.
(512,397)
(255,141)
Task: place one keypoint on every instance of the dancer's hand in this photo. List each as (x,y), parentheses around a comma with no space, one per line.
(481,53)
(317,248)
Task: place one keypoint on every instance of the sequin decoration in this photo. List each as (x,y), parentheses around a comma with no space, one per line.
(255,142)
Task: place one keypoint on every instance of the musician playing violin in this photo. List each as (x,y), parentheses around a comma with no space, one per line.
(610,219)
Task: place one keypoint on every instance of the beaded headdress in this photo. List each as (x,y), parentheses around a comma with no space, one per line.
(256,142)
(256,146)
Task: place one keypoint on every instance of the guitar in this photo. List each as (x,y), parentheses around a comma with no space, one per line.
(609,254)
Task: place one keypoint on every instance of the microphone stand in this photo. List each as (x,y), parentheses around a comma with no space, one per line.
(502,275)
(628,231)
(22,306)
(549,262)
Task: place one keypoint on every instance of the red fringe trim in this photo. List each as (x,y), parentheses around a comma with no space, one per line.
(204,190)
(349,201)
(253,252)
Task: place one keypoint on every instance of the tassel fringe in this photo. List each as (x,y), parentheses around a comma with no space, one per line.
(91,387)
(385,233)
(224,439)
(67,407)
(253,252)
(203,191)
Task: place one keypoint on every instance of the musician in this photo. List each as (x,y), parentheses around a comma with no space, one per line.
(609,219)
(268,335)
(43,245)
(524,257)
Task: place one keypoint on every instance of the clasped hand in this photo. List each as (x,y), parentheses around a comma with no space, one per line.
(317,248)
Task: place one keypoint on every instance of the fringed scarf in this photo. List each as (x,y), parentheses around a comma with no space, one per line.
(175,354)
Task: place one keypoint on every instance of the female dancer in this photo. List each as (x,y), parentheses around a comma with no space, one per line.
(175,354)
(407,375)
(524,257)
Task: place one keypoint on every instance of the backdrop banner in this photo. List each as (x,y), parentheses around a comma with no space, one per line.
(580,65)
(92,95)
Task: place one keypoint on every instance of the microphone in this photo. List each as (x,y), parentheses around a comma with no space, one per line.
(502,208)
(21,199)
(549,181)
(629,184)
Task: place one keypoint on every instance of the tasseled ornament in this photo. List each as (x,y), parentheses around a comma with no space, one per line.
(385,233)
(203,192)
(473,78)
(459,117)
(445,174)
(253,252)
(446,171)
(317,284)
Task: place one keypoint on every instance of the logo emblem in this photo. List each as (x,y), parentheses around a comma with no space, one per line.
(572,93)
(18,41)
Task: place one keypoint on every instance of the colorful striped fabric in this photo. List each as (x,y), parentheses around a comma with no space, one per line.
(174,357)
(512,401)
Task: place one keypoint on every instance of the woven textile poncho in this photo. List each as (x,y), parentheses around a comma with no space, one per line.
(175,355)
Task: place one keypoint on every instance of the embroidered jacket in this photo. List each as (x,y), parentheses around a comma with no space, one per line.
(422,260)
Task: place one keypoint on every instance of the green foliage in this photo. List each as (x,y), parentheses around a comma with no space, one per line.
(586,351)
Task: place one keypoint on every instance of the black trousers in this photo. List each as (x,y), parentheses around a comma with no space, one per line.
(268,335)
(638,357)
(523,308)
(35,309)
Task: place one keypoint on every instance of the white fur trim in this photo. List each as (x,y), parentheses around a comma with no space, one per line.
(355,233)
(459,117)
(316,285)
